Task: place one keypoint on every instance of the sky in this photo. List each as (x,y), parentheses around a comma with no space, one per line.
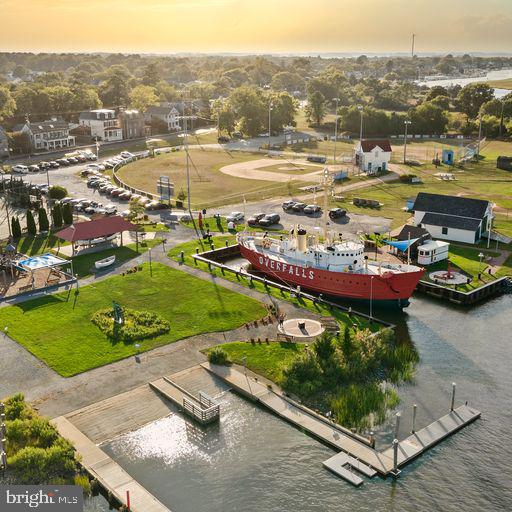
(256,26)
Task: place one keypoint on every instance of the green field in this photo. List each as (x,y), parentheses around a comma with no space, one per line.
(209,187)
(58,329)
(266,359)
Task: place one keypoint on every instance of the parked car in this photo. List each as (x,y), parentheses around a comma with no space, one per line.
(312,209)
(287,205)
(81,159)
(108,164)
(235,217)
(33,168)
(19,169)
(298,207)
(111,209)
(126,154)
(66,200)
(116,192)
(54,164)
(317,159)
(72,160)
(253,220)
(337,213)
(269,220)
(44,165)
(125,196)
(223,140)
(63,161)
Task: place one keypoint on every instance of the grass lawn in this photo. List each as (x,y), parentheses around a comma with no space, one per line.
(153,228)
(32,245)
(209,186)
(58,328)
(266,359)
(189,248)
(505,83)
(221,226)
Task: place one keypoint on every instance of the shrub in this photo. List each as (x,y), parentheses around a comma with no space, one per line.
(67,214)
(44,224)
(31,223)
(15,227)
(138,325)
(218,355)
(57,216)
(57,192)
(84,483)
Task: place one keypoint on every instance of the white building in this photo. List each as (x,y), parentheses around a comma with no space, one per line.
(373,156)
(167,114)
(459,219)
(433,251)
(48,135)
(103,124)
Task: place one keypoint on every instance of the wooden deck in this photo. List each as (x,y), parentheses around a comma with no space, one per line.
(381,462)
(111,476)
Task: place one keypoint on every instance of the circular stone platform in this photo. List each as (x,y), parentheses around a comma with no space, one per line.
(301,328)
(441,277)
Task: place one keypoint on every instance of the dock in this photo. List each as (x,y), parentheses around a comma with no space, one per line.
(353,453)
(110,474)
(203,408)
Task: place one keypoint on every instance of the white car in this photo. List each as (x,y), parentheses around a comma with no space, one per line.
(110,209)
(235,217)
(126,154)
(19,169)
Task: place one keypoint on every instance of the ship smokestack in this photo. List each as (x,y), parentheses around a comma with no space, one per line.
(302,244)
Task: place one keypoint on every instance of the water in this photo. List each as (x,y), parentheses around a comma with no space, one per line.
(493,75)
(256,462)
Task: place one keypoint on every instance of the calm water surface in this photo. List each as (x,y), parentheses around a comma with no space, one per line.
(255,462)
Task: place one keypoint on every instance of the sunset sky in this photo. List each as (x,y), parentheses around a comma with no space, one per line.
(168,26)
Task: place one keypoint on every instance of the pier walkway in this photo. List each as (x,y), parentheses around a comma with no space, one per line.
(358,452)
(110,475)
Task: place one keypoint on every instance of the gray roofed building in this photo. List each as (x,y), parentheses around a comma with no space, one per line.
(48,135)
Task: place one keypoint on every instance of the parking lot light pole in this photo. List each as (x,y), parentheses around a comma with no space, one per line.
(360,108)
(335,126)
(269,124)
(406,123)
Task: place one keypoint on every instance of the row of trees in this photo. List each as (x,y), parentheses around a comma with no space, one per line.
(61,215)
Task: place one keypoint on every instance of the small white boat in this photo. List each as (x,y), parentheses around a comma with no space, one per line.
(105,262)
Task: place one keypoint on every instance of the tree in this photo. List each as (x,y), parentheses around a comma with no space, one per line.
(315,109)
(237,77)
(57,192)
(223,114)
(7,103)
(142,97)
(115,89)
(287,81)
(67,214)
(151,75)
(31,224)
(284,108)
(136,208)
(19,143)
(472,97)
(44,224)
(442,102)
(57,215)
(375,122)
(15,227)
(436,91)
(428,118)
(61,97)
(250,109)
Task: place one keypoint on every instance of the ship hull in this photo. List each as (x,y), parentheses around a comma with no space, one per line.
(388,287)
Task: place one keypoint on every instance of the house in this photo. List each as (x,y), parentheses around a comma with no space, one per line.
(4,144)
(373,156)
(409,232)
(102,123)
(132,123)
(167,114)
(48,135)
(459,219)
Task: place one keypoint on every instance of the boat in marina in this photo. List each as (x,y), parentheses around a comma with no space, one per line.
(106,262)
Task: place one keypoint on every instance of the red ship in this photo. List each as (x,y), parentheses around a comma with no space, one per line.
(337,269)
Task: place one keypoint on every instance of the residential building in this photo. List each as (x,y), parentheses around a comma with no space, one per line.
(132,123)
(48,135)
(103,124)
(167,114)
(459,219)
(409,232)
(373,156)
(4,144)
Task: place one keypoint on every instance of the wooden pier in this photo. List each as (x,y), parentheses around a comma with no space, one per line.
(202,408)
(110,474)
(354,453)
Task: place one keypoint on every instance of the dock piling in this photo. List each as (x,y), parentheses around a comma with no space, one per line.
(454,386)
(397,424)
(414,408)
(395,458)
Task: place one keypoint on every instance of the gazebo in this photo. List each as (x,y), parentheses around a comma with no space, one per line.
(93,232)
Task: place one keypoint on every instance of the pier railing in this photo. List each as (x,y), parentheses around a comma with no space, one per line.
(204,415)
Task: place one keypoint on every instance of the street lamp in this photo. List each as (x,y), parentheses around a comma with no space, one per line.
(269,124)
(481,257)
(406,123)
(360,108)
(335,126)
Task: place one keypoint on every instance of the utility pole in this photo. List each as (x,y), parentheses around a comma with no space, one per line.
(269,124)
(335,126)
(406,123)
(479,136)
(412,46)
(360,108)
(186,152)
(501,118)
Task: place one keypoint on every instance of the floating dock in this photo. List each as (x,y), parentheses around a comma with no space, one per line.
(203,408)
(110,474)
(353,452)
